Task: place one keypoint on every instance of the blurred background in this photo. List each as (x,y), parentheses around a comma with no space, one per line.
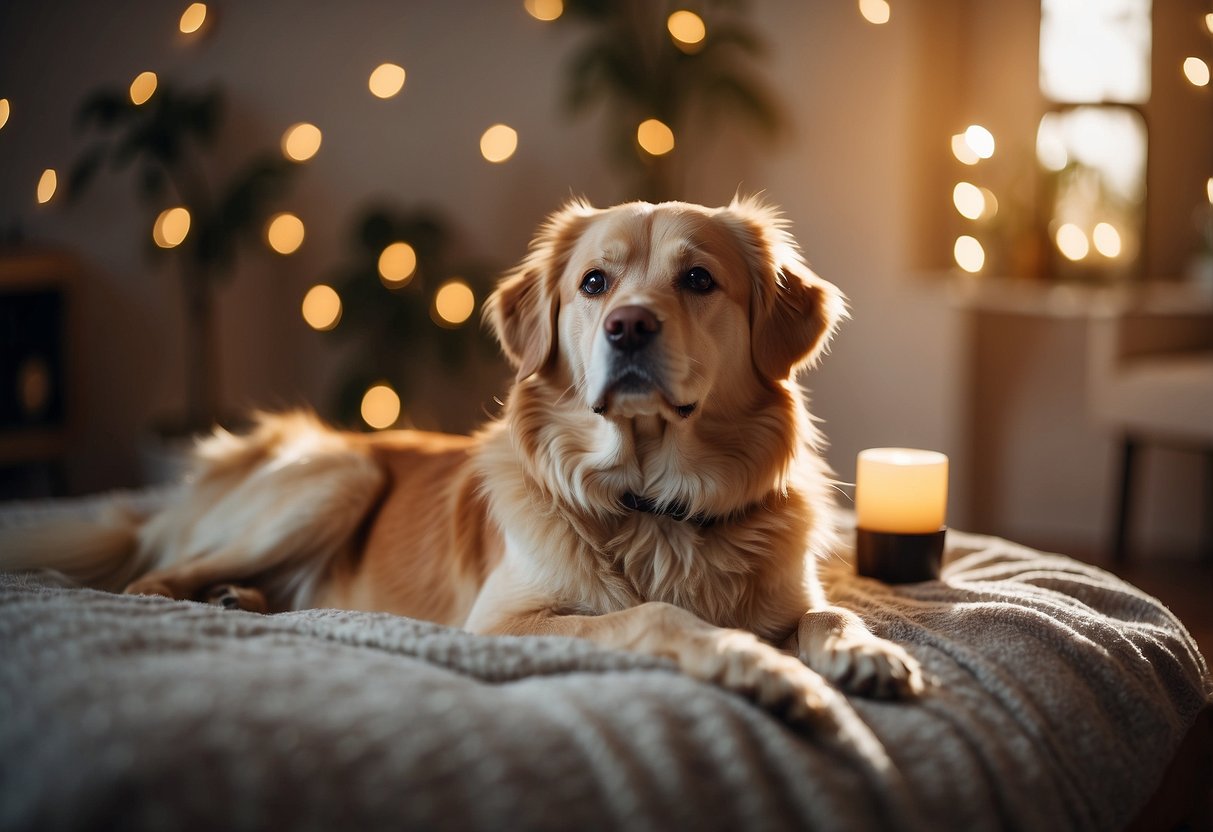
(207,208)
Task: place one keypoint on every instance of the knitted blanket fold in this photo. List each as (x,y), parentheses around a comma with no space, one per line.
(1059,695)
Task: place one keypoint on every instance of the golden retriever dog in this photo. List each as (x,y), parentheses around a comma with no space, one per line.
(653,484)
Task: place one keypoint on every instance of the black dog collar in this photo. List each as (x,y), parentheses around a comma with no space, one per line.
(678,511)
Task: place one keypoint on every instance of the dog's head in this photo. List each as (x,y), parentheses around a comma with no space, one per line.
(663,309)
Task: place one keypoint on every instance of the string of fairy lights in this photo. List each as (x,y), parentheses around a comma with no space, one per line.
(454,302)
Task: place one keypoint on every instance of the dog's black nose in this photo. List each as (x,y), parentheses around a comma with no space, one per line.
(630,328)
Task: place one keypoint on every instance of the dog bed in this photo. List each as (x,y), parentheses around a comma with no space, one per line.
(1060,695)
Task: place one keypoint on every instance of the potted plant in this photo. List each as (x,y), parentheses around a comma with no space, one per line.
(166,142)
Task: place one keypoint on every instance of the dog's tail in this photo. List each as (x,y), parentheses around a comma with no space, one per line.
(99,548)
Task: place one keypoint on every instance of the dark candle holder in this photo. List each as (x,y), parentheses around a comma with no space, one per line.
(899,558)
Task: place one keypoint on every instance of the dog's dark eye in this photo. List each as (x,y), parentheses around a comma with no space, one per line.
(699,279)
(594,283)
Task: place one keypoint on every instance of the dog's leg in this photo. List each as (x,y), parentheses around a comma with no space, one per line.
(232,597)
(733,659)
(838,645)
(298,513)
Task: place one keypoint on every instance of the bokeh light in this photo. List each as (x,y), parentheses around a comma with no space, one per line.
(46,185)
(4,110)
(498,143)
(171,227)
(1209,22)
(655,137)
(1209,189)
(980,141)
(380,406)
(874,11)
(1072,242)
(301,141)
(193,18)
(143,87)
(397,263)
(454,303)
(1106,239)
(544,9)
(687,29)
(962,151)
(969,200)
(969,254)
(285,233)
(1197,71)
(386,80)
(322,307)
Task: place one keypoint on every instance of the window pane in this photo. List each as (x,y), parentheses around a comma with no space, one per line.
(1095,50)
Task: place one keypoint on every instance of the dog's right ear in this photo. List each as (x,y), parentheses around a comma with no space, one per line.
(523,309)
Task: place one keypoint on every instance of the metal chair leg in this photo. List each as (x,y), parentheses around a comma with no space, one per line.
(1124,501)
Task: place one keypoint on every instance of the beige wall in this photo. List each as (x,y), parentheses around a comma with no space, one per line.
(865,178)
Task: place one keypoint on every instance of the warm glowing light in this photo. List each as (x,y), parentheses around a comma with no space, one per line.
(285,233)
(4,109)
(980,141)
(1197,71)
(46,185)
(874,11)
(1106,239)
(1072,242)
(687,29)
(969,254)
(655,137)
(171,227)
(1209,189)
(193,18)
(380,407)
(498,143)
(962,151)
(544,9)
(143,87)
(386,80)
(453,303)
(991,203)
(322,307)
(1209,23)
(969,200)
(301,141)
(397,263)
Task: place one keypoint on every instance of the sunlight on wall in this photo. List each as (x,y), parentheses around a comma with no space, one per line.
(544,9)
(46,185)
(386,80)
(875,11)
(498,143)
(322,307)
(655,137)
(193,18)
(1095,51)
(285,233)
(301,141)
(143,87)
(397,263)
(453,303)
(380,406)
(171,227)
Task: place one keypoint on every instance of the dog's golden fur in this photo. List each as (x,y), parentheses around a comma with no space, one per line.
(520,529)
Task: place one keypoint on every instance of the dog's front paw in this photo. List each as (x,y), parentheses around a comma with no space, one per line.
(149,586)
(739,662)
(836,644)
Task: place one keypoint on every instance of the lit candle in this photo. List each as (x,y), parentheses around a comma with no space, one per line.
(901,490)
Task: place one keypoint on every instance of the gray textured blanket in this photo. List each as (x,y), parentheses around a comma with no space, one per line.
(1060,695)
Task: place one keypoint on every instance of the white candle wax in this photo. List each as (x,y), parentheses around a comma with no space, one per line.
(901,490)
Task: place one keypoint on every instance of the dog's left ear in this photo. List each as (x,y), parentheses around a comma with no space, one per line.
(793,312)
(522,311)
